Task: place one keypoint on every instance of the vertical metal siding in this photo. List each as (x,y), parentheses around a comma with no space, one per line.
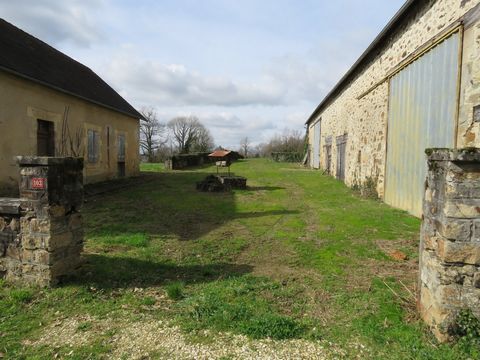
(422,114)
(316,145)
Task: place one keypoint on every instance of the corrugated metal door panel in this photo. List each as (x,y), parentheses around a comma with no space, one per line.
(422,110)
(316,145)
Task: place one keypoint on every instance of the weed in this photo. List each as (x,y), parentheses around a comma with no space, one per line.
(367,189)
(21,295)
(148,301)
(272,326)
(175,290)
(466,325)
(84,326)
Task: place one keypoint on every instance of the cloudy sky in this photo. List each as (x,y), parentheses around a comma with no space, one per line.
(244,67)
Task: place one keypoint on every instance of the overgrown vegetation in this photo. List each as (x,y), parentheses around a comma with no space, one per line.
(237,305)
(466,330)
(367,189)
(295,256)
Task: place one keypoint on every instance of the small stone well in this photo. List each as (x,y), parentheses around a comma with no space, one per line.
(221,183)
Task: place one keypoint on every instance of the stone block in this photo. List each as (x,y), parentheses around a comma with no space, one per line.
(60,240)
(75,221)
(430,310)
(56,211)
(13,251)
(36,256)
(35,241)
(476,280)
(463,190)
(464,209)
(39,225)
(459,252)
(456,229)
(430,242)
(449,296)
(65,266)
(476,231)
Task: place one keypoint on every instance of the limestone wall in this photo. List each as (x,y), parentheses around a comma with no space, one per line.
(41,233)
(363,115)
(450,239)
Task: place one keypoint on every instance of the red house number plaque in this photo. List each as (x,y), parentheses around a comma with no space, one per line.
(37,183)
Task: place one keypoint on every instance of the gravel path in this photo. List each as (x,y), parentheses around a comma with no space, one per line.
(149,339)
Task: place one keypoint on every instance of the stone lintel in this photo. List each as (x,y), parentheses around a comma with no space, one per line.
(47,161)
(454,155)
(10,206)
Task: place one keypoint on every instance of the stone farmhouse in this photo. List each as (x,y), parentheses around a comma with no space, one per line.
(52,105)
(417,86)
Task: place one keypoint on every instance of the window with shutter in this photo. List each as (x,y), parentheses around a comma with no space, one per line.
(93,145)
(121,148)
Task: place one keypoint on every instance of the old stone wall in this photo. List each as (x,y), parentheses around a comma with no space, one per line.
(178,162)
(450,239)
(41,233)
(361,110)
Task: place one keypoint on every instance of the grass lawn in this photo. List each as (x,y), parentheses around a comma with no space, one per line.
(296,264)
(155,167)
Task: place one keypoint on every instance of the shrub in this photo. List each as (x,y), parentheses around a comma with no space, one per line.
(466,325)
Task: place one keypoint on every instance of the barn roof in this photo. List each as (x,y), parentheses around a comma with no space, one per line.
(220,153)
(410,7)
(26,56)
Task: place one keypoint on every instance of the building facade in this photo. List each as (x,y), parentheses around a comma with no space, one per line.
(416,87)
(51,105)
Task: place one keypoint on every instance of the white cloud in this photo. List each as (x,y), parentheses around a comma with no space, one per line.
(174,84)
(242,71)
(55,21)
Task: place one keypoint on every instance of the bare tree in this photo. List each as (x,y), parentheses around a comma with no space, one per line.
(204,140)
(244,146)
(290,141)
(151,130)
(185,131)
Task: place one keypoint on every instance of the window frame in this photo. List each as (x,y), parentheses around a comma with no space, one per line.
(93,146)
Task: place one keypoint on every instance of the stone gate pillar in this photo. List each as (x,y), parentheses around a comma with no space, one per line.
(42,230)
(450,239)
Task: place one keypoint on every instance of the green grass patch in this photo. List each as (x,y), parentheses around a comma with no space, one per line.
(175,290)
(153,167)
(237,305)
(21,295)
(125,239)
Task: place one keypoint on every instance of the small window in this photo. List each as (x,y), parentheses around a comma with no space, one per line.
(121,148)
(93,145)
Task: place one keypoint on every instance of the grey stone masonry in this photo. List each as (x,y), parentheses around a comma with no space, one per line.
(450,239)
(41,233)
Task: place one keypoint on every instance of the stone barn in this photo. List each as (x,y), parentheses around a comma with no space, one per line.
(417,86)
(52,105)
